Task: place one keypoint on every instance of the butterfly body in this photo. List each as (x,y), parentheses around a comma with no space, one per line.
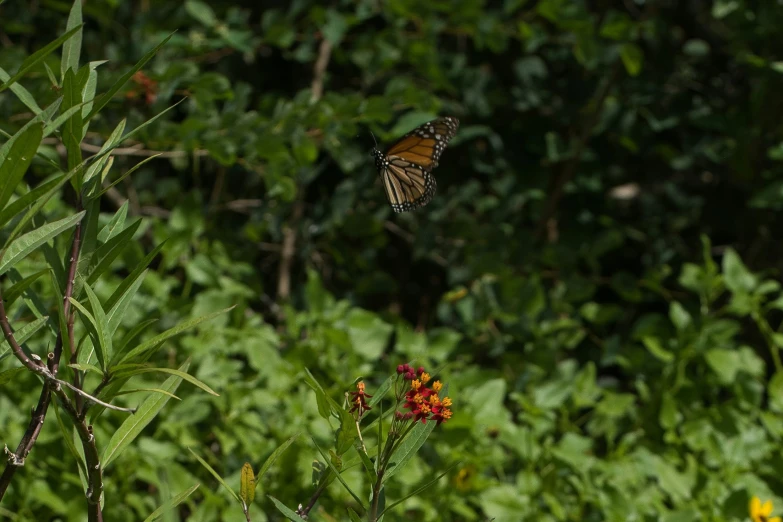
(406,168)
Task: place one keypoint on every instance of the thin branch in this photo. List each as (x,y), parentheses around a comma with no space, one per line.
(48,372)
(94,399)
(287,252)
(319,69)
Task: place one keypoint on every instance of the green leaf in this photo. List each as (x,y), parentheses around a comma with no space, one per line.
(116,314)
(632,58)
(185,376)
(285,511)
(134,424)
(9,375)
(18,288)
(17,160)
(153,390)
(369,333)
(129,281)
(216,475)
(23,94)
(73,85)
(775,392)
(67,437)
(737,276)
(115,226)
(97,333)
(170,504)
(247,484)
(353,515)
(37,56)
(408,448)
(725,364)
(151,344)
(337,474)
(656,349)
(18,205)
(86,368)
(201,12)
(122,80)
(679,316)
(274,456)
(420,489)
(72,48)
(130,171)
(105,254)
(26,244)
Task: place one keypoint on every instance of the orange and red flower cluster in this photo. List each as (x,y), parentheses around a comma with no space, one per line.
(424,403)
(359,399)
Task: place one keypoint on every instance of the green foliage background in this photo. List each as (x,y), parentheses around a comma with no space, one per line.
(596,279)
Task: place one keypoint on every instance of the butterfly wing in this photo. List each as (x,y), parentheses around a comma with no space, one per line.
(424,144)
(407,185)
(407,166)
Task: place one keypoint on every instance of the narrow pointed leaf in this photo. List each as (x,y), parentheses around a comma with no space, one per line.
(86,368)
(171,503)
(247,484)
(153,390)
(24,333)
(68,439)
(24,245)
(37,56)
(151,344)
(15,290)
(419,490)
(134,424)
(105,254)
(126,174)
(115,225)
(336,473)
(285,510)
(23,94)
(18,205)
(114,89)
(43,116)
(116,314)
(133,276)
(96,335)
(18,160)
(72,48)
(9,375)
(274,456)
(415,440)
(216,475)
(185,376)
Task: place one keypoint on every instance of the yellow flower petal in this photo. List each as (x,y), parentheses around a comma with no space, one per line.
(755,506)
(766,509)
(774,519)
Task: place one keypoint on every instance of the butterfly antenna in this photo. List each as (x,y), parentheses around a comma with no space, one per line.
(373,139)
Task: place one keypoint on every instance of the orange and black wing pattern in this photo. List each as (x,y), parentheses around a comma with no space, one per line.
(406,168)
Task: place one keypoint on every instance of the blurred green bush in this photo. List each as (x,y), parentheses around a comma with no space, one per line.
(597,277)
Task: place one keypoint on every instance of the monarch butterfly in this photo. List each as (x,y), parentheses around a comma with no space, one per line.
(406,168)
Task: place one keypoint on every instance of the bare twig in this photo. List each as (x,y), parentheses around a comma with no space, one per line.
(290,229)
(287,252)
(136,150)
(319,69)
(94,399)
